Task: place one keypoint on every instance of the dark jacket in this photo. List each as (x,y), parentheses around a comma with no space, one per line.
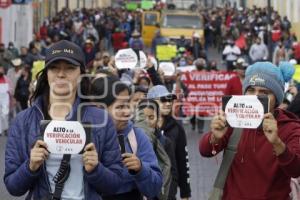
(294,107)
(173,130)
(25,131)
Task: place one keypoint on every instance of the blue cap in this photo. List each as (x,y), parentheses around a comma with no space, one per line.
(159,91)
(65,50)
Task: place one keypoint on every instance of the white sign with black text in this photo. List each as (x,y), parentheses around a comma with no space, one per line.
(65,137)
(126,59)
(245,111)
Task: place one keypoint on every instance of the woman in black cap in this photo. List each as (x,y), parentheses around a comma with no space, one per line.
(30,167)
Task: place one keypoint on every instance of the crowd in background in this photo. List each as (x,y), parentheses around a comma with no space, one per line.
(240,34)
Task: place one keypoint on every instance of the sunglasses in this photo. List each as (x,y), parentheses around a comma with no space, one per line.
(166,99)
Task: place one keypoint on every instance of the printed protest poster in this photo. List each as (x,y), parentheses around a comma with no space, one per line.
(126,59)
(245,111)
(205,92)
(64,137)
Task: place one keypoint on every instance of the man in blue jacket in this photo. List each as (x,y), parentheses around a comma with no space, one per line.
(29,167)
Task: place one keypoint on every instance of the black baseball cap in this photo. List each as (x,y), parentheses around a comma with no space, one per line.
(65,50)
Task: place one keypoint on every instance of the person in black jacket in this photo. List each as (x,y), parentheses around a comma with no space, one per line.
(175,132)
(22,87)
(294,105)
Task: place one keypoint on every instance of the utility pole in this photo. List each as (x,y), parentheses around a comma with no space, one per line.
(269,31)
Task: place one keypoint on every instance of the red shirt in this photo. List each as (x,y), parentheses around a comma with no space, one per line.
(234,86)
(118,39)
(256,173)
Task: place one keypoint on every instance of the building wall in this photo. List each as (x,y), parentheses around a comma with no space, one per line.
(73,4)
(17,24)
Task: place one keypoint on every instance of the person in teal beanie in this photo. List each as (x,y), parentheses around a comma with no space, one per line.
(268,157)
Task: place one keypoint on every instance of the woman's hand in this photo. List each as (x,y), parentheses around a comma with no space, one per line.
(132,162)
(90,157)
(38,155)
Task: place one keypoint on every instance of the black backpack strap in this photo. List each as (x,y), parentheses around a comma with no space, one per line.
(61,176)
(64,170)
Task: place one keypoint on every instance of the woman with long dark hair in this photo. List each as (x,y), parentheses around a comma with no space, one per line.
(141,175)
(30,168)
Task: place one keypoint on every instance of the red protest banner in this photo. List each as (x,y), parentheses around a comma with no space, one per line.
(205,91)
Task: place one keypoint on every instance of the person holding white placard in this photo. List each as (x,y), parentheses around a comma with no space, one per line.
(264,159)
(30,167)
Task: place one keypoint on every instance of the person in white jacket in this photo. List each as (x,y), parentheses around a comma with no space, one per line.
(231,54)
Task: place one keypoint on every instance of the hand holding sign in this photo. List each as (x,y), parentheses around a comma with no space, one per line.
(270,128)
(218,126)
(90,157)
(38,155)
(271,132)
(132,162)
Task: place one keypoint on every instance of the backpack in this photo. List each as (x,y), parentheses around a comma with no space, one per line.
(162,157)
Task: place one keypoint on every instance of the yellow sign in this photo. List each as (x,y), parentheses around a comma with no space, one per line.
(166,52)
(37,67)
(296,76)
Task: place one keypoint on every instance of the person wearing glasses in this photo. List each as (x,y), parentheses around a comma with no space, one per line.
(176,133)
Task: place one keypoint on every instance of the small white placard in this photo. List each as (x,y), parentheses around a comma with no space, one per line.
(245,111)
(187,68)
(65,137)
(126,59)
(143,59)
(168,68)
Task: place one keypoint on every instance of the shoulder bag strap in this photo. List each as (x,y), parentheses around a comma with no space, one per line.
(228,156)
(61,176)
(63,172)
(132,141)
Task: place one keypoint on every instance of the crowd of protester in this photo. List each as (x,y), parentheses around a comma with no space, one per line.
(142,101)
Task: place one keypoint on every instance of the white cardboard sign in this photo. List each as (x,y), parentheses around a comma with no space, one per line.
(245,111)
(65,137)
(154,62)
(143,59)
(187,68)
(168,68)
(126,59)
